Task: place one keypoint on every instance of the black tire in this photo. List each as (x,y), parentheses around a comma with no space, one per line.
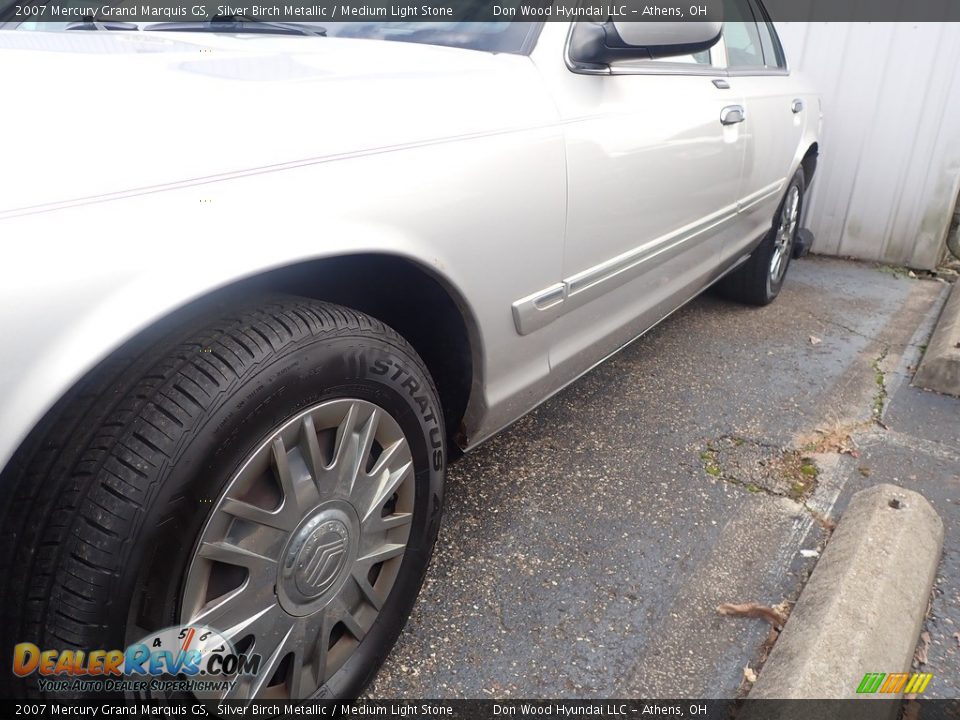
(751,283)
(104,506)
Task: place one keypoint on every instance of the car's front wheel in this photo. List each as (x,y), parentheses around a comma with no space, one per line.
(275,474)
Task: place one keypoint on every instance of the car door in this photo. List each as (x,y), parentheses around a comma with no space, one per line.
(758,73)
(653,177)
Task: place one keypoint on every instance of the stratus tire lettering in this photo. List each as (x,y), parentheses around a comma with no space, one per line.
(382,368)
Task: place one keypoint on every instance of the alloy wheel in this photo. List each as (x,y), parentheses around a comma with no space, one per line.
(303,546)
(785,234)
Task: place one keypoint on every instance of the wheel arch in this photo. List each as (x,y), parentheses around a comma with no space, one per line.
(417,301)
(420,304)
(809,162)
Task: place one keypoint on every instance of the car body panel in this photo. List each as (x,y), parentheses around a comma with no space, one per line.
(653,180)
(487,170)
(183,105)
(102,262)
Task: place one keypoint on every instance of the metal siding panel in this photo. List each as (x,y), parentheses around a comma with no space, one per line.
(879,189)
(890,150)
(937,154)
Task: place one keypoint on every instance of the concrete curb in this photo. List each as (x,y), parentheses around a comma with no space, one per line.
(863,607)
(940,368)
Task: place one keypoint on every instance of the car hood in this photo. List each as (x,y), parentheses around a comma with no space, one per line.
(96,115)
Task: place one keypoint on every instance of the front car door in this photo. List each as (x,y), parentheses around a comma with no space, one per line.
(653,178)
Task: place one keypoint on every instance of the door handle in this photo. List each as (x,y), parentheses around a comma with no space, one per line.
(721,84)
(797,106)
(733,114)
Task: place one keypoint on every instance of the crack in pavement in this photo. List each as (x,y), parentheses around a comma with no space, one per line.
(871,338)
(759,467)
(880,379)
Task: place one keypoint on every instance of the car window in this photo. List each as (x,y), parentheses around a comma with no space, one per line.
(509,37)
(741,36)
(700,58)
(772,50)
(500,37)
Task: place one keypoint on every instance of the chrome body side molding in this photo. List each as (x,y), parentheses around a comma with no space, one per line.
(751,201)
(538,310)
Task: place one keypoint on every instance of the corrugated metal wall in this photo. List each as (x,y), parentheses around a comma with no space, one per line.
(889,171)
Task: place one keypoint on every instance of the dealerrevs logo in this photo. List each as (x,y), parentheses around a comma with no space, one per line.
(180,658)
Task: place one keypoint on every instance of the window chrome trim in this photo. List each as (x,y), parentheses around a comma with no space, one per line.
(778,43)
(693,69)
(753,6)
(757,72)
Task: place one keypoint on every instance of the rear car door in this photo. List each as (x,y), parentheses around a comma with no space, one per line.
(758,73)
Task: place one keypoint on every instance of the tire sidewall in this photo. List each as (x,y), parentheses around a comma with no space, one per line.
(773,288)
(303,373)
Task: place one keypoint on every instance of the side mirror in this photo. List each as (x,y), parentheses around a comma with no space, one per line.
(594,43)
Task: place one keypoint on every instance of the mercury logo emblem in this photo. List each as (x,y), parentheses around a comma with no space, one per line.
(321,558)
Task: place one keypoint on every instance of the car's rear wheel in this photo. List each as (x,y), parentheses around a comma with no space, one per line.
(759,280)
(275,473)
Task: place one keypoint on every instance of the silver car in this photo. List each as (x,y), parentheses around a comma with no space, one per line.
(259,287)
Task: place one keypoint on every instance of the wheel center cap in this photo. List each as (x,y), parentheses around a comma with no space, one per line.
(321,557)
(318,558)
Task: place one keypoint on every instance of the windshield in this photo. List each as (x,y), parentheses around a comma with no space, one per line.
(489,36)
(501,37)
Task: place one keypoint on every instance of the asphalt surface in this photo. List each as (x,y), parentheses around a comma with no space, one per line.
(585,549)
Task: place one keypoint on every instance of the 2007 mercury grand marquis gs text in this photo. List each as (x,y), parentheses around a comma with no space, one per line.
(260,278)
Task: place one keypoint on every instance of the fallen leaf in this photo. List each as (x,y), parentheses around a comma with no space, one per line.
(827,523)
(783,609)
(921,654)
(846,446)
(752,610)
(749,675)
(814,340)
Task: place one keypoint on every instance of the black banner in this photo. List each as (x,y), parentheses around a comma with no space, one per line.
(484,709)
(468,10)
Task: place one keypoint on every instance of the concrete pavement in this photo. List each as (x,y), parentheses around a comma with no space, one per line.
(864,604)
(585,549)
(940,368)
